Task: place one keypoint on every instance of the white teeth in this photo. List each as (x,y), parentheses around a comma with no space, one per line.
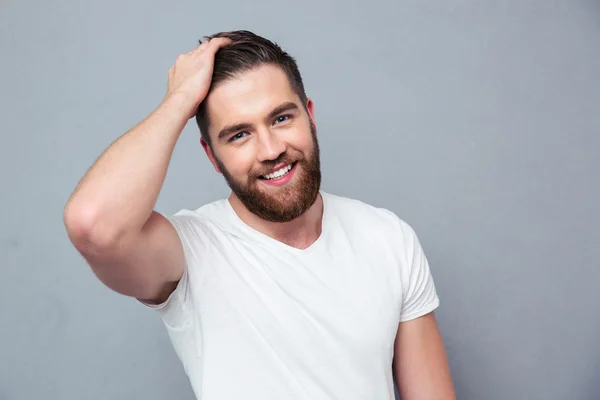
(279,173)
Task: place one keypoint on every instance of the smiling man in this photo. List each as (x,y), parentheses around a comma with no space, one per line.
(281,290)
(271,159)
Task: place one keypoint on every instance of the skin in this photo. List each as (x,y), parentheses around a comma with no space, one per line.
(420,363)
(135,251)
(243,153)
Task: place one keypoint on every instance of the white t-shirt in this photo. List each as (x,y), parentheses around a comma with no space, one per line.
(253,318)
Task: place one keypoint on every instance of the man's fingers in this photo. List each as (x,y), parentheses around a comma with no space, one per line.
(216,43)
(211,45)
(200,48)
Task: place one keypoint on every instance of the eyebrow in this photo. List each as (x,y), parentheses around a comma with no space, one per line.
(230,129)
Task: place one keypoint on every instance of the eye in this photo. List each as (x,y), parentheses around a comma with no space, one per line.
(237,136)
(282,118)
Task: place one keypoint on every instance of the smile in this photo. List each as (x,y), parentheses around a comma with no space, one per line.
(281,172)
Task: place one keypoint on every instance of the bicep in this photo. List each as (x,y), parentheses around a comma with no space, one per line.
(146,265)
(420,364)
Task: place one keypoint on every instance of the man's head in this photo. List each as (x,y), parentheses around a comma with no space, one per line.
(256,123)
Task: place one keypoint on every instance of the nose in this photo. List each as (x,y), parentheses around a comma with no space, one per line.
(270,146)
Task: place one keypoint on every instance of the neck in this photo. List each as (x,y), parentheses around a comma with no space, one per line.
(300,232)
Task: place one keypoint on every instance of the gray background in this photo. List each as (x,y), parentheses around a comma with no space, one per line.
(476,122)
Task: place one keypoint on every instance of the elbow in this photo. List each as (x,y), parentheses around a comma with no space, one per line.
(88,232)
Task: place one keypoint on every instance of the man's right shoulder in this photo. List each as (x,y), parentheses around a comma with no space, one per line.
(190,222)
(213,211)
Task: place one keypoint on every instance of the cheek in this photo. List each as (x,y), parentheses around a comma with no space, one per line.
(239,163)
(301,141)
(307,145)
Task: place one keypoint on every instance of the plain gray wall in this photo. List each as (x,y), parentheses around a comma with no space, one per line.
(476,122)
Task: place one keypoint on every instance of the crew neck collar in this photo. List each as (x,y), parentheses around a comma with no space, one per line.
(274,242)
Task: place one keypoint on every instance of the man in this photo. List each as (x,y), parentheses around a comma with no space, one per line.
(280,291)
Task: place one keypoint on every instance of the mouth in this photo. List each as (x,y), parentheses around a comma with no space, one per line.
(280,175)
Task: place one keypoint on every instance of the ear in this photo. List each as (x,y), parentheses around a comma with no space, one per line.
(310,106)
(210,154)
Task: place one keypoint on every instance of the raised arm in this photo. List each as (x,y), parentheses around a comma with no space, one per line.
(110,218)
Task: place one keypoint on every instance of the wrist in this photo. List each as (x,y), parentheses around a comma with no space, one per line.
(180,103)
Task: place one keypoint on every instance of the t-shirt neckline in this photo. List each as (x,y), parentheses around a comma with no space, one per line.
(274,242)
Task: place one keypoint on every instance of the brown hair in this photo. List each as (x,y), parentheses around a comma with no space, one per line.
(246,52)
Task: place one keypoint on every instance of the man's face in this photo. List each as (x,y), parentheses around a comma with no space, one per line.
(264,143)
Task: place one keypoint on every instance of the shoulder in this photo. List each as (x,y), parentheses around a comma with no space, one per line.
(371,219)
(208,218)
(210,212)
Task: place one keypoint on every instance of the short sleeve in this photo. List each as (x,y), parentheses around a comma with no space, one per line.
(177,309)
(419,295)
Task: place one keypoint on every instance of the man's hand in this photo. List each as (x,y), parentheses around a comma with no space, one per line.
(190,77)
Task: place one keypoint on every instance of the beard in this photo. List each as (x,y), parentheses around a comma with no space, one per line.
(286,203)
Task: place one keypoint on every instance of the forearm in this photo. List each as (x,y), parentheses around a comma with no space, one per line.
(118,193)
